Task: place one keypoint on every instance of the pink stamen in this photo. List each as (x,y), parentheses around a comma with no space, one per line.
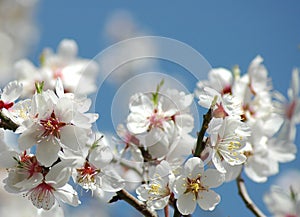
(52,126)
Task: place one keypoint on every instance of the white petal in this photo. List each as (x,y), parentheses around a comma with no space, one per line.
(279,201)
(67,48)
(137,123)
(216,159)
(59,174)
(161,203)
(232,172)
(64,110)
(59,88)
(140,103)
(194,167)
(73,137)
(180,185)
(186,203)
(185,121)
(252,171)
(28,138)
(101,156)
(11,92)
(55,211)
(220,78)
(212,178)
(207,200)
(111,181)
(7,158)
(143,192)
(47,152)
(68,195)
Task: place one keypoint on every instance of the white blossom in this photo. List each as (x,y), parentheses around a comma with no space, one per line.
(157,192)
(227,141)
(77,75)
(193,187)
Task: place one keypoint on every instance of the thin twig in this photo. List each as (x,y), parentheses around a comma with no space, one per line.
(131,200)
(246,198)
(200,144)
(166,211)
(7,123)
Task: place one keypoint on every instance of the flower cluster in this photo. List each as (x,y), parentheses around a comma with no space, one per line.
(251,125)
(247,126)
(55,144)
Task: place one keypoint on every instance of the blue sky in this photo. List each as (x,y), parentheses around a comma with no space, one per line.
(224,32)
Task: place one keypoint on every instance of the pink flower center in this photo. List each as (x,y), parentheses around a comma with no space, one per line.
(226,90)
(6,105)
(42,196)
(52,126)
(86,174)
(156,120)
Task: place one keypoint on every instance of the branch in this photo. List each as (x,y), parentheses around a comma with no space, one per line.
(131,200)
(7,123)
(200,144)
(246,198)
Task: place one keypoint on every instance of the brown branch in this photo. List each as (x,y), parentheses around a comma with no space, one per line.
(166,211)
(200,144)
(7,123)
(131,200)
(246,198)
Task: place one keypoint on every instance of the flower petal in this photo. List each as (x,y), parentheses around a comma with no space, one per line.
(68,195)
(186,203)
(73,137)
(47,152)
(194,167)
(11,92)
(208,200)
(29,138)
(179,185)
(212,178)
(216,159)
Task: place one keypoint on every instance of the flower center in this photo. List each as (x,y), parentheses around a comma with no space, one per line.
(154,189)
(6,105)
(52,126)
(195,185)
(226,90)
(156,120)
(86,175)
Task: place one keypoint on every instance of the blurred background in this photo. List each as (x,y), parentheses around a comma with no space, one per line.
(224,33)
